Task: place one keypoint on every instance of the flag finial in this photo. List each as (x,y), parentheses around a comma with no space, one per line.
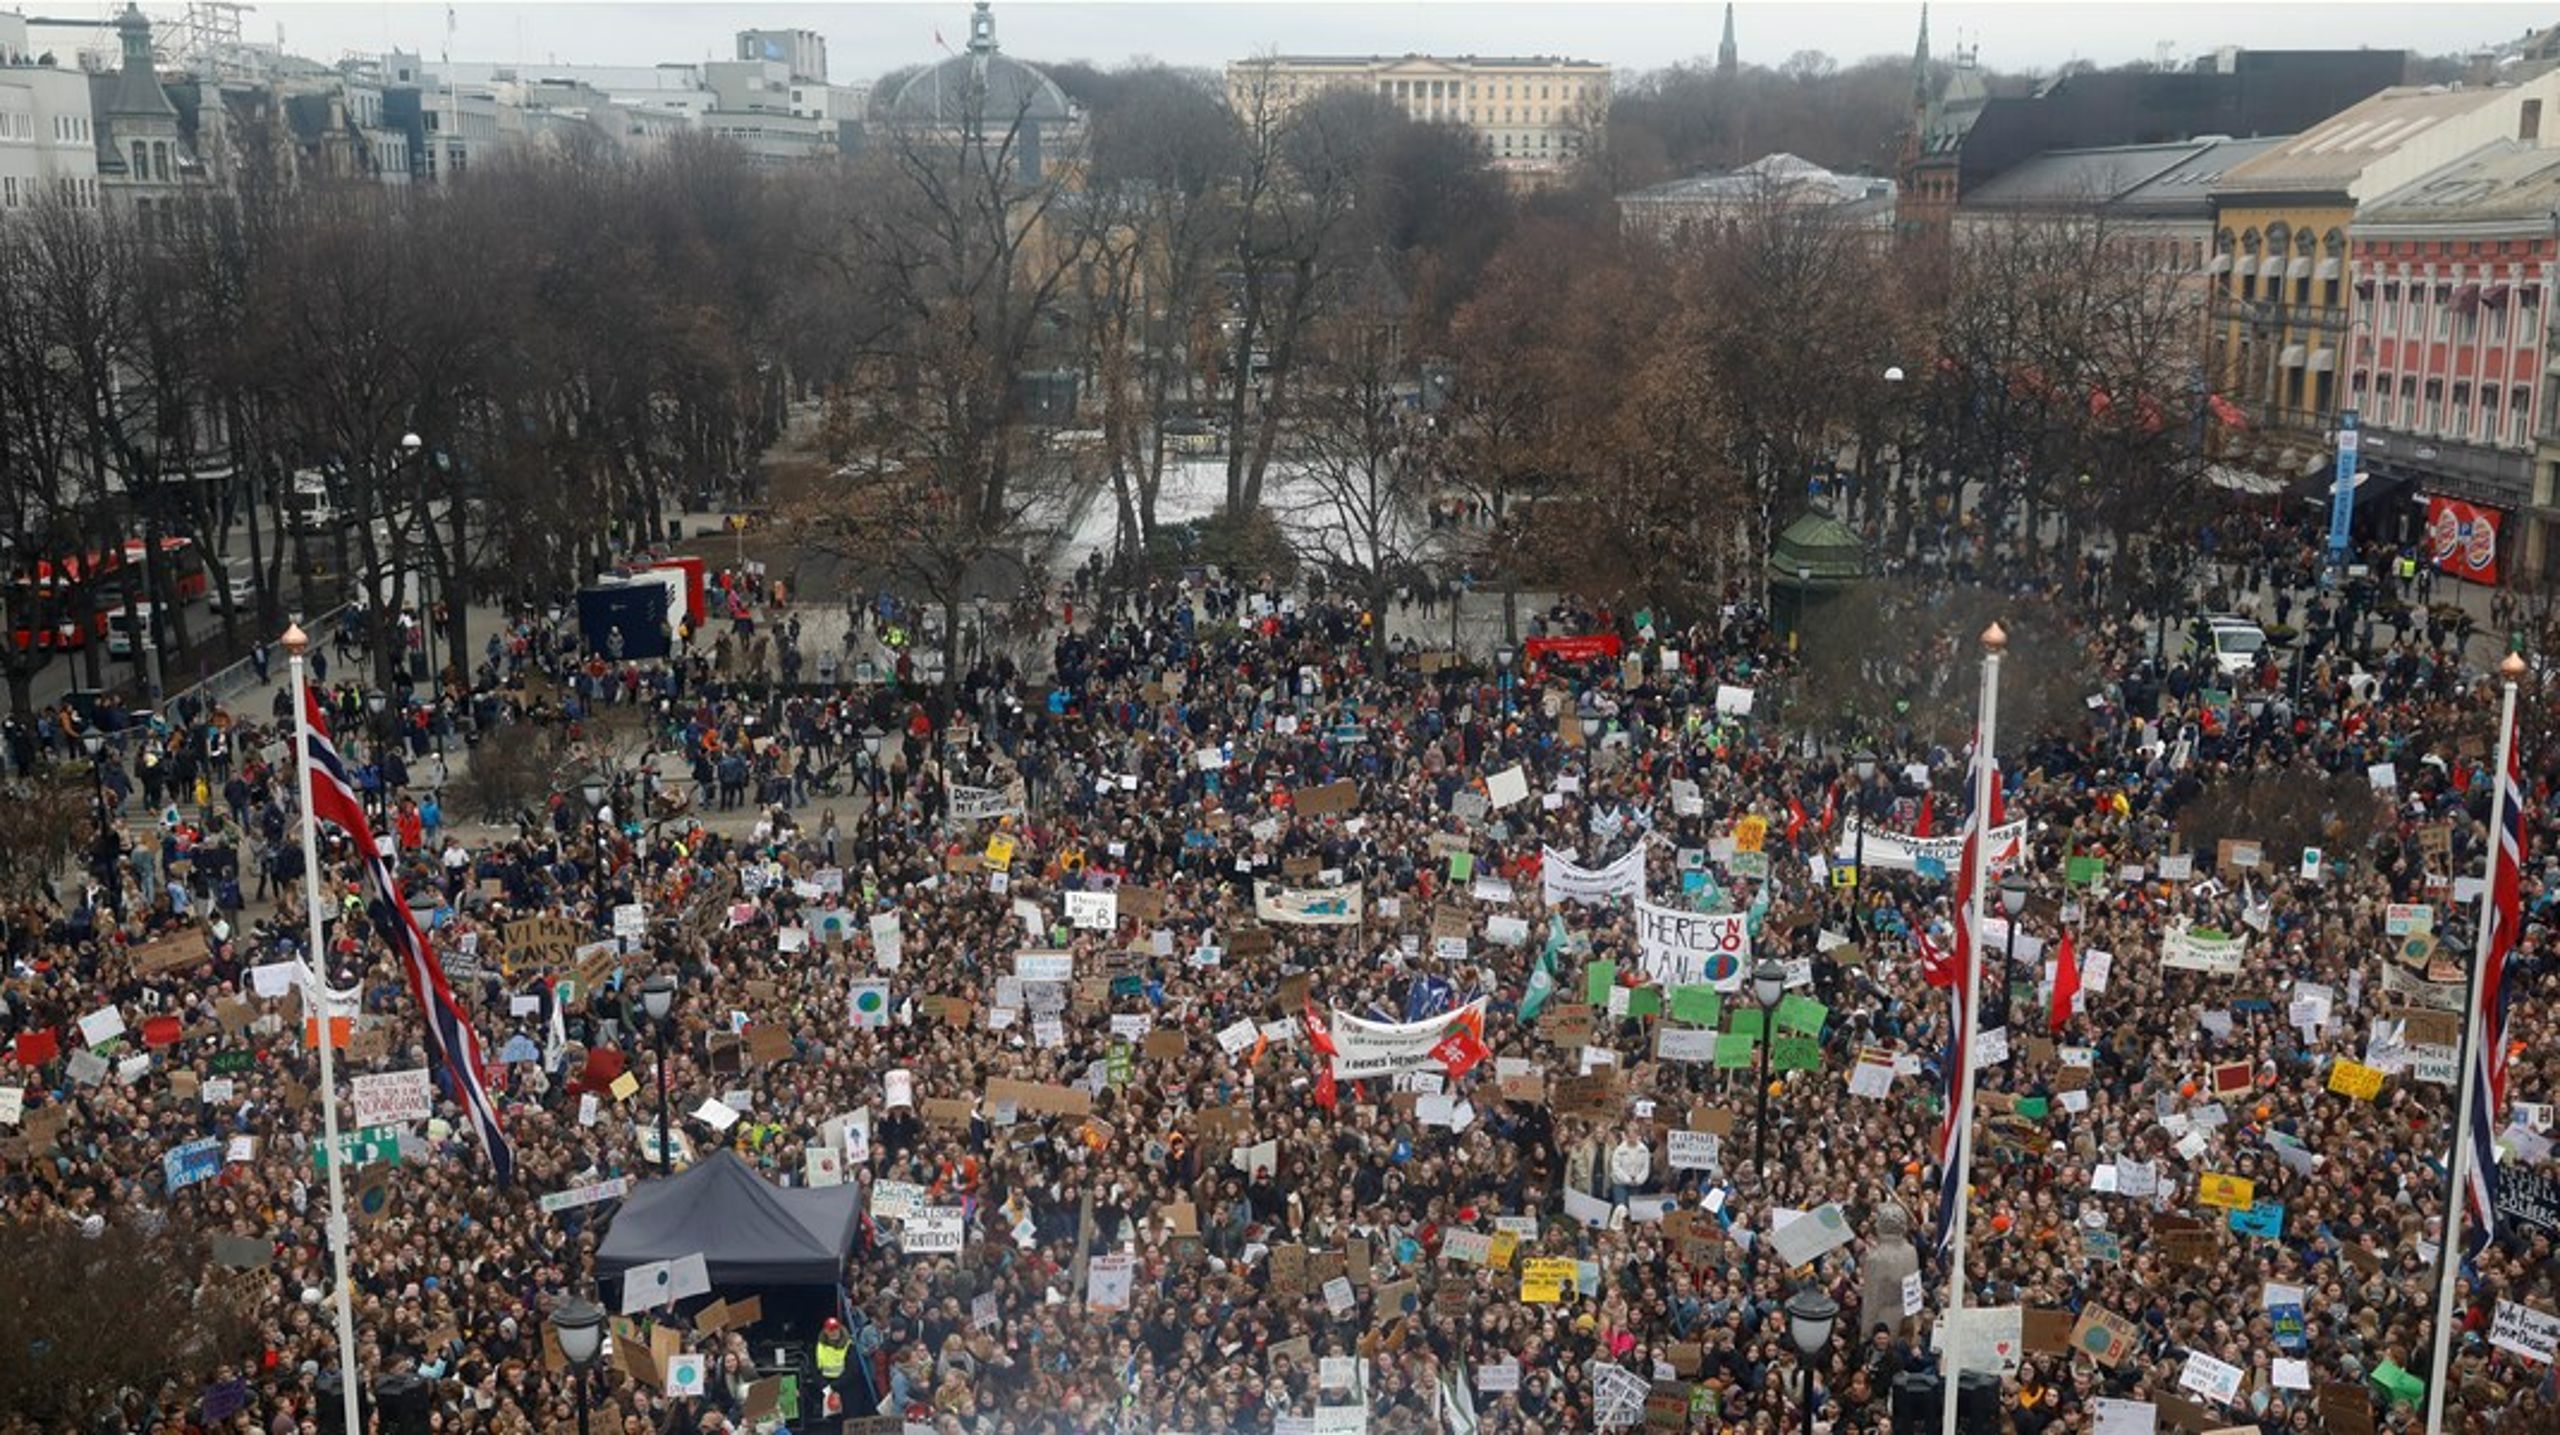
(2513,666)
(295,640)
(1995,637)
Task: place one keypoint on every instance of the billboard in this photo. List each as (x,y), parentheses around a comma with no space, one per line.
(2462,539)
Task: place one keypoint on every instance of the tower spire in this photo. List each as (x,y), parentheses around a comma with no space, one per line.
(1920,62)
(1728,57)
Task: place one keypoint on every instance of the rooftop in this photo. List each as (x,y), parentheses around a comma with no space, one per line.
(2507,180)
(2331,154)
(1488,61)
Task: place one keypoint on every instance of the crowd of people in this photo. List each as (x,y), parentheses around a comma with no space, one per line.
(1179,1216)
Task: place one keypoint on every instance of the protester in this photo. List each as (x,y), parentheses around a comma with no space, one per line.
(1176,1216)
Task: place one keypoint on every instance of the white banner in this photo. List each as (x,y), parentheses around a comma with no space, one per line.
(1308,907)
(975,804)
(1891,851)
(2188,950)
(1686,949)
(393,1097)
(1561,880)
(1364,1048)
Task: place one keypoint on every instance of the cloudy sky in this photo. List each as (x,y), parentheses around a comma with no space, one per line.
(865,39)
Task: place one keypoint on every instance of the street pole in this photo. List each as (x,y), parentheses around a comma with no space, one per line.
(1977,866)
(666,1152)
(315,1000)
(2449,1259)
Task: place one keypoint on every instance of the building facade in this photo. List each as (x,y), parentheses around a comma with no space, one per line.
(1527,114)
(48,147)
(2283,241)
(801,53)
(2450,341)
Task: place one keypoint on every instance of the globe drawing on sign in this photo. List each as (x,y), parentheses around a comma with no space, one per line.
(2098,1340)
(1723,967)
(870,1001)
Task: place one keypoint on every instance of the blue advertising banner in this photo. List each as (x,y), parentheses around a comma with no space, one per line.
(2342,494)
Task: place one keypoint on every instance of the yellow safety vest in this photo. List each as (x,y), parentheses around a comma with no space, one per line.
(831,1360)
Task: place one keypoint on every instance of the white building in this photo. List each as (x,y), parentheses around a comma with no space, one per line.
(48,141)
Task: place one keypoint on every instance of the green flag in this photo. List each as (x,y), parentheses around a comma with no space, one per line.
(1542,978)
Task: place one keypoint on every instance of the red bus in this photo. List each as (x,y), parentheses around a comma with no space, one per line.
(61,603)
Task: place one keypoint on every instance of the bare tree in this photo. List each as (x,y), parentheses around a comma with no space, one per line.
(957,255)
(1359,463)
(1295,199)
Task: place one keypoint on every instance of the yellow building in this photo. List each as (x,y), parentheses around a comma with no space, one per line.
(2283,224)
(1528,114)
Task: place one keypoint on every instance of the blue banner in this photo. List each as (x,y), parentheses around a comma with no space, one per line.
(2342,494)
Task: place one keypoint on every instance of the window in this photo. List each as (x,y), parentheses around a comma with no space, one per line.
(2519,416)
(141,160)
(2390,309)
(160,161)
(2432,421)
(2409,401)
(2497,327)
(2444,312)
(2467,330)
(2488,414)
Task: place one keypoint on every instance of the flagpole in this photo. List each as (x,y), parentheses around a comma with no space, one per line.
(2449,1258)
(1977,867)
(315,998)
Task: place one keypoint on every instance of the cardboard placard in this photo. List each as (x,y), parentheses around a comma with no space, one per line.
(1165,1044)
(179,949)
(1040,1096)
(1333,797)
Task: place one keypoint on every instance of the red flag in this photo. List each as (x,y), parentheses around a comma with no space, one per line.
(2066,983)
(1830,806)
(1921,828)
(2225,412)
(1319,1035)
(1459,1052)
(1326,1095)
(1795,820)
(35,1048)
(162,1031)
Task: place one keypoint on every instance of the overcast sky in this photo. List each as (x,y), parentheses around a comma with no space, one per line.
(864,39)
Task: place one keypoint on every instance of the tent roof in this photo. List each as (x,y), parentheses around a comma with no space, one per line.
(748,1230)
(1816,551)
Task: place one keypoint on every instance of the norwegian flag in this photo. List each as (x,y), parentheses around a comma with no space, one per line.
(1955,971)
(456,1048)
(2506,918)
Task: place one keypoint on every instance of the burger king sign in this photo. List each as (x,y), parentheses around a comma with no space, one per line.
(2462,539)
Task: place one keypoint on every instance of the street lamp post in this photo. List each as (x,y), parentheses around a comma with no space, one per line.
(2013,901)
(1810,1318)
(94,743)
(592,788)
(1865,766)
(658,998)
(579,1324)
(1768,984)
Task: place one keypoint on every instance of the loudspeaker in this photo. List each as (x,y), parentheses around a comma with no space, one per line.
(1917,1407)
(407,1403)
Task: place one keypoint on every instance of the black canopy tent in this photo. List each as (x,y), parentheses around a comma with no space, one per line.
(754,1236)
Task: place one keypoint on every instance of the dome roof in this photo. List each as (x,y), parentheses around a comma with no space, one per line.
(981,87)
